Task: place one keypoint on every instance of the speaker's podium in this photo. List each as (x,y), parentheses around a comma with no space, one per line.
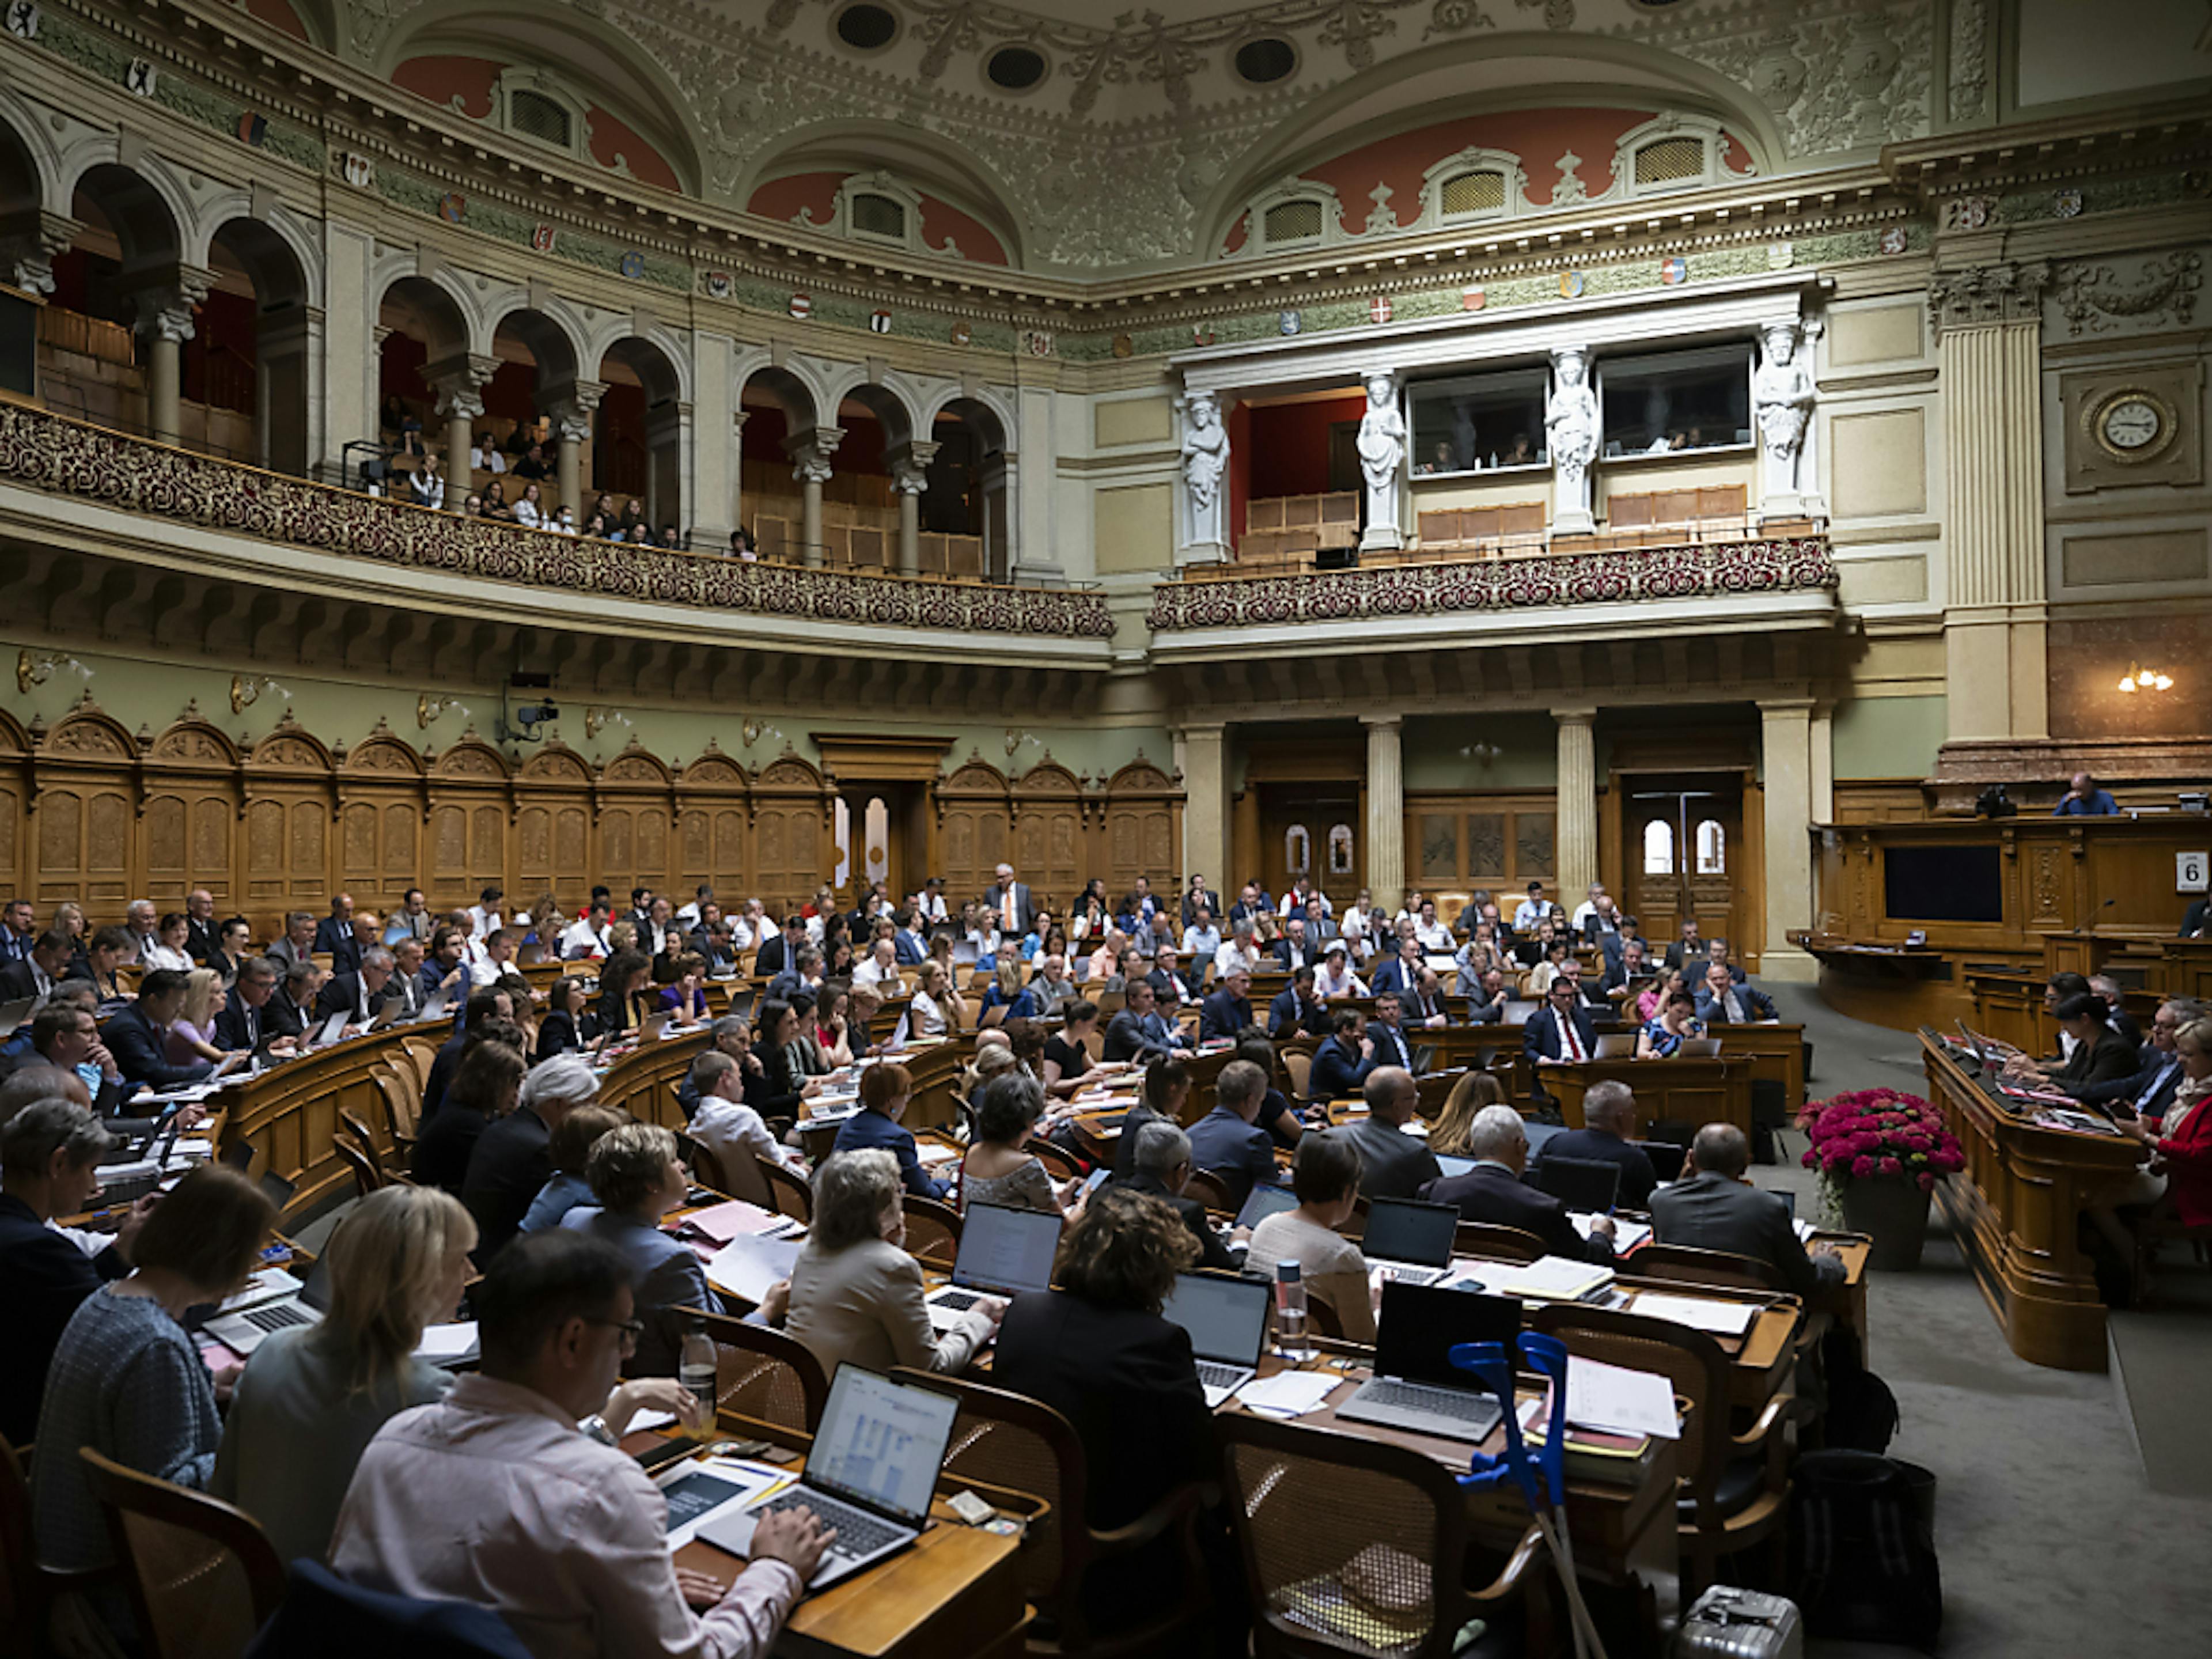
(1691,1090)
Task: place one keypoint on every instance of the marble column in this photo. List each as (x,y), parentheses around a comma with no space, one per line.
(167,301)
(1386,810)
(1575,835)
(570,407)
(1206,804)
(459,382)
(909,467)
(809,452)
(1822,761)
(1786,777)
(1989,320)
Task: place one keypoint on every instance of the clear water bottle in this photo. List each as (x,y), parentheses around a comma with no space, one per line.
(1290,1313)
(697,1372)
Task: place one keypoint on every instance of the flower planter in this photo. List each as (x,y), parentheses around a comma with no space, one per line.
(1894,1214)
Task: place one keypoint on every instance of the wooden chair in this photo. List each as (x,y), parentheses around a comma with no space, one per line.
(1500,1242)
(1734,1490)
(1095,1046)
(385,1175)
(738,1175)
(1397,1520)
(367,1175)
(1209,1189)
(1008,1443)
(28,1588)
(1687,1265)
(792,1197)
(1057,1163)
(401,1096)
(763,1376)
(932,1232)
(1299,1068)
(201,1576)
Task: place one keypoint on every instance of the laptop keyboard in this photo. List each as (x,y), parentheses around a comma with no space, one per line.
(1394,1395)
(859,1532)
(1218,1373)
(275,1318)
(1407,1274)
(956,1301)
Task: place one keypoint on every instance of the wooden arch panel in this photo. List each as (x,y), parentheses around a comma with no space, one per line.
(290,800)
(15,791)
(1049,850)
(637,813)
(975,828)
(466,823)
(381,804)
(1143,830)
(85,796)
(188,813)
(791,831)
(712,808)
(553,828)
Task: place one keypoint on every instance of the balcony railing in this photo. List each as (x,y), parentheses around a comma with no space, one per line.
(71,458)
(1686,571)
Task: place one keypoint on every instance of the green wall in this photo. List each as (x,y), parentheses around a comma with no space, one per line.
(1889,737)
(1437,752)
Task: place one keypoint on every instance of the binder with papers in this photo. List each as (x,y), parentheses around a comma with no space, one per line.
(1547,1278)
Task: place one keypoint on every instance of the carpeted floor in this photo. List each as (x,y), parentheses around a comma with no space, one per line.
(2054,1540)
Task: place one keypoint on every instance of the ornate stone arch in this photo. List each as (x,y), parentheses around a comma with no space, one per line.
(27,124)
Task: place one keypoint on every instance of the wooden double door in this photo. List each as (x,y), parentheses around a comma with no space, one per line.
(1683,854)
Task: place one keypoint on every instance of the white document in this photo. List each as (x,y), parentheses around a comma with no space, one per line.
(930,1153)
(699,1488)
(1718,1318)
(1288,1393)
(1627,1235)
(749,1264)
(450,1341)
(1805,1230)
(1618,1401)
(1547,1278)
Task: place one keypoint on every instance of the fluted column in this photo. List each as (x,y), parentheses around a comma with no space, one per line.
(1574,838)
(1786,780)
(459,382)
(1206,804)
(1990,349)
(167,301)
(1386,810)
(910,465)
(1822,761)
(570,407)
(809,452)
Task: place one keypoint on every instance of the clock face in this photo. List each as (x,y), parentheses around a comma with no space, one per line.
(2131,425)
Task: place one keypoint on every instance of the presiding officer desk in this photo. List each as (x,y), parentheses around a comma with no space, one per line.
(2016,1210)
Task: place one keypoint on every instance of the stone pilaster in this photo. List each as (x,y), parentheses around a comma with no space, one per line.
(1386,810)
(1574,839)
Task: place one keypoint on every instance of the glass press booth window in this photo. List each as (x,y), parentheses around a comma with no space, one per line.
(1478,424)
(1677,401)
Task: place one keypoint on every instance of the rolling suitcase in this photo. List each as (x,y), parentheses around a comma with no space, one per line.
(1740,1623)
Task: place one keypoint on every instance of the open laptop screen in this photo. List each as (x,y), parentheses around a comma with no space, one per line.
(1420,1325)
(881,1442)
(1007,1250)
(1227,1318)
(1267,1200)
(1400,1230)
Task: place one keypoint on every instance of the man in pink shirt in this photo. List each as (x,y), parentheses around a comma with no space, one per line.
(495,1496)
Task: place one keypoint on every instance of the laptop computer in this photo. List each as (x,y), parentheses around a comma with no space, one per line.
(330,1030)
(1003,1251)
(1267,1200)
(869,1474)
(1409,1242)
(1414,1388)
(248,1328)
(13,1014)
(1588,1186)
(1666,1156)
(1227,1319)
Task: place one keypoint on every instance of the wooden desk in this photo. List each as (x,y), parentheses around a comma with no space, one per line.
(1678,1090)
(2016,1211)
(289,1114)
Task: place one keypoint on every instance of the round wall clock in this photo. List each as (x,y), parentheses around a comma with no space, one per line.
(2132,425)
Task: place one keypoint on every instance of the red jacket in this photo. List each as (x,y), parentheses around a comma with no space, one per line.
(2188,1155)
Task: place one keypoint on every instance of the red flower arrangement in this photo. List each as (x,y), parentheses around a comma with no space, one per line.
(1872,1134)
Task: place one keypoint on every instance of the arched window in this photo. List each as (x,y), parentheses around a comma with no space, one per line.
(841,831)
(1297,850)
(1340,849)
(1658,847)
(876,832)
(1713,848)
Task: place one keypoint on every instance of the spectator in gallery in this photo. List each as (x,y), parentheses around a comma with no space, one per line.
(485,456)
(530,508)
(426,484)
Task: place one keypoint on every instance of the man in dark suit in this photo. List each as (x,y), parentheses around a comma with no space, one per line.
(1170,983)
(244,1022)
(780,954)
(1560,1031)
(1400,971)
(1009,901)
(1722,1001)
(1713,1207)
(17,934)
(1609,1121)
(37,970)
(138,1035)
(1493,1191)
(482,1006)
(1425,1004)
(1620,971)
(1489,1007)
(2150,1090)
(50,1151)
(1296,1011)
(203,933)
(1160,1165)
(1341,1065)
(358,995)
(911,949)
(1392,1164)
(1228,1011)
(1386,1032)
(1227,1141)
(290,1007)
(1295,950)
(1687,951)
(335,931)
(1139,1032)
(1586,1000)
(2197,919)
(64,1038)
(513,1158)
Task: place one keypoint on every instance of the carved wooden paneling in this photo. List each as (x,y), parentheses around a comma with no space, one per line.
(552,827)
(975,816)
(470,794)
(711,829)
(189,804)
(290,789)
(381,793)
(791,841)
(1050,853)
(86,797)
(637,812)
(1142,834)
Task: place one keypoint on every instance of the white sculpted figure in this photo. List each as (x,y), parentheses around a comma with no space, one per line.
(1570,421)
(1782,398)
(1205,460)
(1382,452)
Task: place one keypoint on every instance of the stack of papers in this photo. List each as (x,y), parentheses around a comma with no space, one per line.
(749,1264)
(1287,1394)
(443,1343)
(931,1153)
(1805,1229)
(1715,1318)
(1627,1235)
(1547,1278)
(724,1222)
(1618,1401)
